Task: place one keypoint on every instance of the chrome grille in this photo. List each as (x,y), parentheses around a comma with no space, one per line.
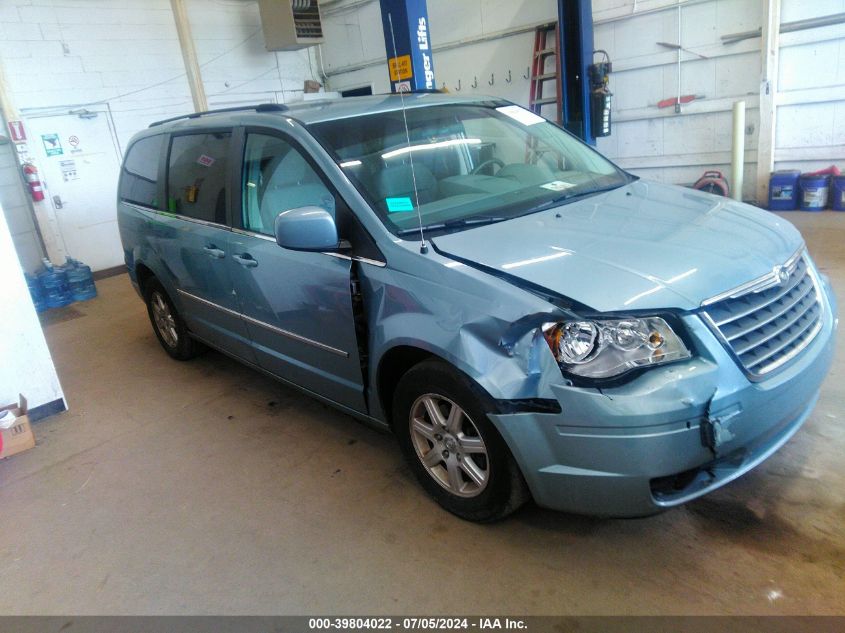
(768,322)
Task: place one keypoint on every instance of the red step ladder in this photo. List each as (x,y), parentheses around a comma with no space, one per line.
(543,50)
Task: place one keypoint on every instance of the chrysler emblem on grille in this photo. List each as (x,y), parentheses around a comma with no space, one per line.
(782,274)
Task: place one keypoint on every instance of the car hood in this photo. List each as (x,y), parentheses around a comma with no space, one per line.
(642,246)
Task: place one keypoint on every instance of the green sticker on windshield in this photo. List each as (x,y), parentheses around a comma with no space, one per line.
(399,204)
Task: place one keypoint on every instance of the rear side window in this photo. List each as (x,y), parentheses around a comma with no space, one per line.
(196,176)
(139,177)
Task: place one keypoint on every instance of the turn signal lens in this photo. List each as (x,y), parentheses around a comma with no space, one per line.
(655,340)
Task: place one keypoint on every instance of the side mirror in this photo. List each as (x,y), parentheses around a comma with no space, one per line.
(306,229)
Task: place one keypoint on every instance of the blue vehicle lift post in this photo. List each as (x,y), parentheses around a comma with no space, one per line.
(407,41)
(576,54)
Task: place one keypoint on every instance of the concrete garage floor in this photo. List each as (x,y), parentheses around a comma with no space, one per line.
(204,487)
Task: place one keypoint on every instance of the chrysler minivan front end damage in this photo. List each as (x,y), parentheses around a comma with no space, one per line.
(669,434)
(525,316)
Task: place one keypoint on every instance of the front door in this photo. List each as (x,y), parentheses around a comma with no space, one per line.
(80,163)
(297,305)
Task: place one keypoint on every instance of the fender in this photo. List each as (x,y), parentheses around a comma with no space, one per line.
(491,334)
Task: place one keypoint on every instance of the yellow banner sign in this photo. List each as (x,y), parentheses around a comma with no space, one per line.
(400,68)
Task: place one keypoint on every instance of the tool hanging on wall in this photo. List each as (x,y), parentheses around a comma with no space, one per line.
(673,101)
(678,47)
(600,95)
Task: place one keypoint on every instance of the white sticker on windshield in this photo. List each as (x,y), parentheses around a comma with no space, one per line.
(557,185)
(526,117)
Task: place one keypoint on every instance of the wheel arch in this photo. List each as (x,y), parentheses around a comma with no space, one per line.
(143,275)
(397,361)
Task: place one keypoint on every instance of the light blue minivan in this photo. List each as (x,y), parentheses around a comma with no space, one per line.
(530,320)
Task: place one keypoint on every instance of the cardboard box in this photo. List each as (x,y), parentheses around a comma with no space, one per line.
(18,437)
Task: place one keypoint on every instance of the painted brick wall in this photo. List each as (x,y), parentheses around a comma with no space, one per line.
(17,211)
(60,55)
(651,142)
(126,53)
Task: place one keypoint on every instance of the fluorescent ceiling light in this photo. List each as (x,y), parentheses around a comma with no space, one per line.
(436,145)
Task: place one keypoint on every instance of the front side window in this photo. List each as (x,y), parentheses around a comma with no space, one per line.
(465,163)
(139,175)
(276,178)
(196,176)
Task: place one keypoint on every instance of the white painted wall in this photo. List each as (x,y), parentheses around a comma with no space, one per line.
(653,143)
(658,143)
(125,53)
(354,40)
(810,132)
(26,366)
(60,55)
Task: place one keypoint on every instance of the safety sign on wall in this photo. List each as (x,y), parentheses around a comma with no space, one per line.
(68,170)
(52,144)
(400,67)
(17,131)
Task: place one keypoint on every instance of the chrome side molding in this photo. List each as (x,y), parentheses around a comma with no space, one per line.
(276,330)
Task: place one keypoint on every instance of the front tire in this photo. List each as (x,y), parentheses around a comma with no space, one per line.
(169,327)
(455,452)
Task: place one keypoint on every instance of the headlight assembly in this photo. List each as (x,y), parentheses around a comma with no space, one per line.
(601,348)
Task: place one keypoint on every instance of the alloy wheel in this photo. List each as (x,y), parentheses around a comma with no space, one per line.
(449,445)
(164,320)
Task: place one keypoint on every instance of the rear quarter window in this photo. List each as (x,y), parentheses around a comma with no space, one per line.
(139,176)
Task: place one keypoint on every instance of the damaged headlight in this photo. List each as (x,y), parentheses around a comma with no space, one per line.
(600,348)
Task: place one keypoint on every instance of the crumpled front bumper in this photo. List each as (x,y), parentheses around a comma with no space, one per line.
(637,448)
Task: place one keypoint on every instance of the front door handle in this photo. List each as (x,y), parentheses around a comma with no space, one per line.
(245,260)
(214,252)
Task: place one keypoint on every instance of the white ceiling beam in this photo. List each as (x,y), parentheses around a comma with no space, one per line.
(189,55)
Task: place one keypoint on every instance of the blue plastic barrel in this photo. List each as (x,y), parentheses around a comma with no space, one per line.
(783,190)
(837,193)
(80,280)
(36,293)
(814,192)
(54,285)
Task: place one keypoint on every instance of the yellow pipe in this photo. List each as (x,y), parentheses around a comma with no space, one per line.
(738,150)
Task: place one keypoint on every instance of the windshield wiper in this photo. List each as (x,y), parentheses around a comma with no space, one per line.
(454,224)
(568,197)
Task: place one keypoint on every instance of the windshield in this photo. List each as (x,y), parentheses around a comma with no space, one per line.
(465,164)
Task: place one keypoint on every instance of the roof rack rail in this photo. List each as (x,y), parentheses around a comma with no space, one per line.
(261,107)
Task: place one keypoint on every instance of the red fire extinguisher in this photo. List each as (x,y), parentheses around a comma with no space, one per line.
(30,172)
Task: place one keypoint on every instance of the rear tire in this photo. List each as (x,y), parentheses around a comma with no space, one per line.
(169,327)
(455,452)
